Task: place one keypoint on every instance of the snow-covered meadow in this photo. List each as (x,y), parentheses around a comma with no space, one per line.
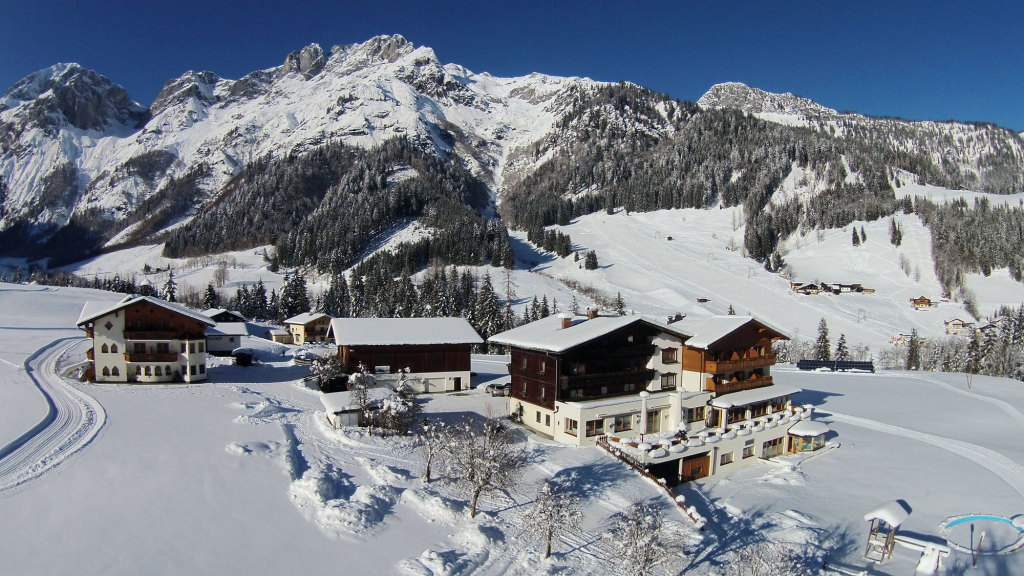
(242,475)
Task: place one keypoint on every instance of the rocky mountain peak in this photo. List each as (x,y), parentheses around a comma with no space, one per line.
(84,98)
(308,62)
(194,85)
(756,101)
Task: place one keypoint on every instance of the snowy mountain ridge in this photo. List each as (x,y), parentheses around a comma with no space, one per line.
(362,94)
(978,151)
(76,153)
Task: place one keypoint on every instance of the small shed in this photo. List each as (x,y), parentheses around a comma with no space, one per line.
(279,335)
(342,412)
(225,337)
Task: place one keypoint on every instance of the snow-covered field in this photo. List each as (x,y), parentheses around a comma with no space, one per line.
(241,475)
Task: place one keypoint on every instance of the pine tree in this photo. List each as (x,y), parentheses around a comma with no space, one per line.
(590,262)
(488,312)
(914,351)
(170,288)
(619,304)
(258,301)
(732,311)
(856,237)
(822,346)
(842,353)
(863,236)
(545,308)
(274,307)
(211,299)
(335,302)
(294,296)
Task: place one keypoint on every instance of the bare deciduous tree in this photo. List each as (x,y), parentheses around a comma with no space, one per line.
(436,439)
(640,539)
(555,511)
(766,558)
(484,457)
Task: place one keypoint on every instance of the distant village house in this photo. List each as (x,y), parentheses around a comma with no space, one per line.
(144,339)
(431,354)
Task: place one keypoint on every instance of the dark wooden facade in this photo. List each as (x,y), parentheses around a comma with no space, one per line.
(146,321)
(612,365)
(739,361)
(418,358)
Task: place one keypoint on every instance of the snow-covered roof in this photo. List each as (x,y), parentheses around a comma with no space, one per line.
(228,329)
(211,312)
(548,335)
(714,328)
(278,332)
(94,310)
(341,401)
(805,428)
(306,318)
(398,331)
(892,513)
(752,396)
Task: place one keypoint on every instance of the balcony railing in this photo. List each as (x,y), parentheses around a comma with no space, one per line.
(150,335)
(151,357)
(719,366)
(738,386)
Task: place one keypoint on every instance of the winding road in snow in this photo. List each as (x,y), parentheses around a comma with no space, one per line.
(71,422)
(1006,469)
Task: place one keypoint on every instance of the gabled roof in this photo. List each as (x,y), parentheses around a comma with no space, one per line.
(93,310)
(211,312)
(712,329)
(228,329)
(548,335)
(398,331)
(306,318)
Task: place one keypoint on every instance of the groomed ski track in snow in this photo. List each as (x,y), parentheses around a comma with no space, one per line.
(72,421)
(1006,469)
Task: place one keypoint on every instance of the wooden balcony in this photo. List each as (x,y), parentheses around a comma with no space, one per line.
(151,335)
(588,386)
(89,354)
(151,357)
(721,366)
(738,385)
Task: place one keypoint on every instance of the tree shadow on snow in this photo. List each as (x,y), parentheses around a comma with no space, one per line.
(528,255)
(732,535)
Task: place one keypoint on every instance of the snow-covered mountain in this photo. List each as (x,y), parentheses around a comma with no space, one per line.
(73,142)
(80,162)
(975,156)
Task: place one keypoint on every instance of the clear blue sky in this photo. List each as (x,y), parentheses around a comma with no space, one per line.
(934,60)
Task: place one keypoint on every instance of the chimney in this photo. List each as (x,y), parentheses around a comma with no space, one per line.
(566,320)
(591,313)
